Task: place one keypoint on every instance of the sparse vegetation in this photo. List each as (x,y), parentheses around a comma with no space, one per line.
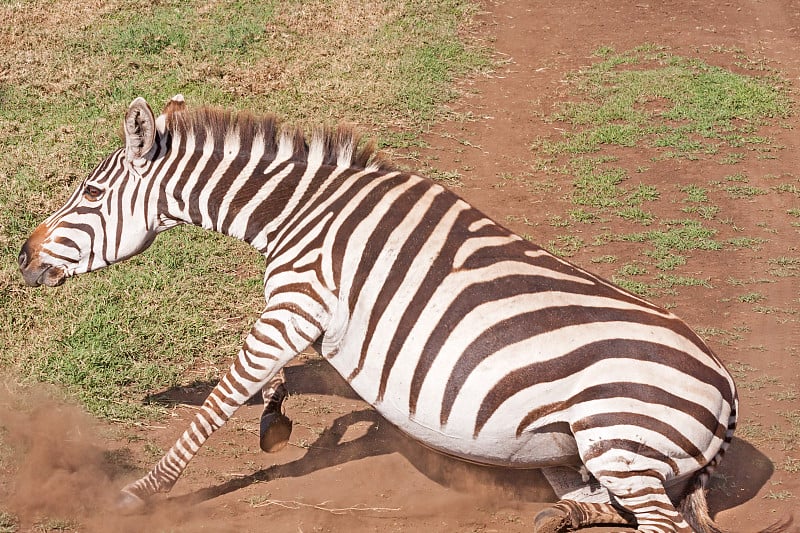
(680,236)
(696,105)
(8,523)
(751,297)
(695,193)
(565,245)
(67,75)
(650,100)
(604,259)
(784,267)
(791,465)
(56,524)
(779,495)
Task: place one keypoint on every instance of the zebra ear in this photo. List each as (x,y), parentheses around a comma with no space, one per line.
(140,129)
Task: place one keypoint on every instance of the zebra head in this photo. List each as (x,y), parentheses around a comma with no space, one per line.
(112,214)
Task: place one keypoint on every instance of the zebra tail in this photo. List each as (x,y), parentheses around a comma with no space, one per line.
(694,509)
(694,506)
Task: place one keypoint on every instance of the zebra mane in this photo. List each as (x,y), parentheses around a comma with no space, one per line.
(336,146)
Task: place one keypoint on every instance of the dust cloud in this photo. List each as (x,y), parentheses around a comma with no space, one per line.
(55,469)
(52,467)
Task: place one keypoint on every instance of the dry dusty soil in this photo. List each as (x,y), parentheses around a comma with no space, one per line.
(346,469)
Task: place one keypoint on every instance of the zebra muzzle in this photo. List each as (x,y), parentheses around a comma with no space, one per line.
(49,275)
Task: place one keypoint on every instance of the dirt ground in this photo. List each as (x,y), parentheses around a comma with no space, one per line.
(346,469)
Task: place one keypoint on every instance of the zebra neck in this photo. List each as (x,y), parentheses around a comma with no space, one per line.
(243,195)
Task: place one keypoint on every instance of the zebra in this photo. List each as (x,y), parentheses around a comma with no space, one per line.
(465,336)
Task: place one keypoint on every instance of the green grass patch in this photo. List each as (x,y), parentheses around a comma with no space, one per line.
(182,308)
(695,193)
(680,104)
(743,191)
(751,297)
(680,236)
(787,188)
(451,178)
(723,336)
(115,336)
(639,288)
(601,187)
(637,214)
(604,259)
(598,187)
(771,310)
(669,281)
(649,102)
(732,158)
(643,193)
(565,245)
(706,212)
(752,243)
(580,215)
(632,270)
(738,177)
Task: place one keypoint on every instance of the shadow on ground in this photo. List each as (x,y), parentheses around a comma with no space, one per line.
(742,474)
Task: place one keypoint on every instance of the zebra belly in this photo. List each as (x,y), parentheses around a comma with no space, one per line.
(553,445)
(548,443)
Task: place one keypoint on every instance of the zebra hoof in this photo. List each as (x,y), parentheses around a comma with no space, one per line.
(275,431)
(552,520)
(127,503)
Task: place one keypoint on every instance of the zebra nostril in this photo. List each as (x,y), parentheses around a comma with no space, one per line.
(22,260)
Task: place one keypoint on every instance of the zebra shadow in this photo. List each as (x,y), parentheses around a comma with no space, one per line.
(743,472)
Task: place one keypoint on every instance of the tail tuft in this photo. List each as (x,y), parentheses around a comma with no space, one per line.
(694,508)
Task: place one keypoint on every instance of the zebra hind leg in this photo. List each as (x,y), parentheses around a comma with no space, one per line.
(570,515)
(275,426)
(583,503)
(642,493)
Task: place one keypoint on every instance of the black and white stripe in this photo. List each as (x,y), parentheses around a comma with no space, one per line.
(459,332)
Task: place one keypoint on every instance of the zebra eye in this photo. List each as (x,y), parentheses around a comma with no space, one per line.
(92,193)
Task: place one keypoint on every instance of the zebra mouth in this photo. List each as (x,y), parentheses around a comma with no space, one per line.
(51,276)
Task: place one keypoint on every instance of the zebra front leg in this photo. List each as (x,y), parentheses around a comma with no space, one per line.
(227,396)
(276,338)
(275,426)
